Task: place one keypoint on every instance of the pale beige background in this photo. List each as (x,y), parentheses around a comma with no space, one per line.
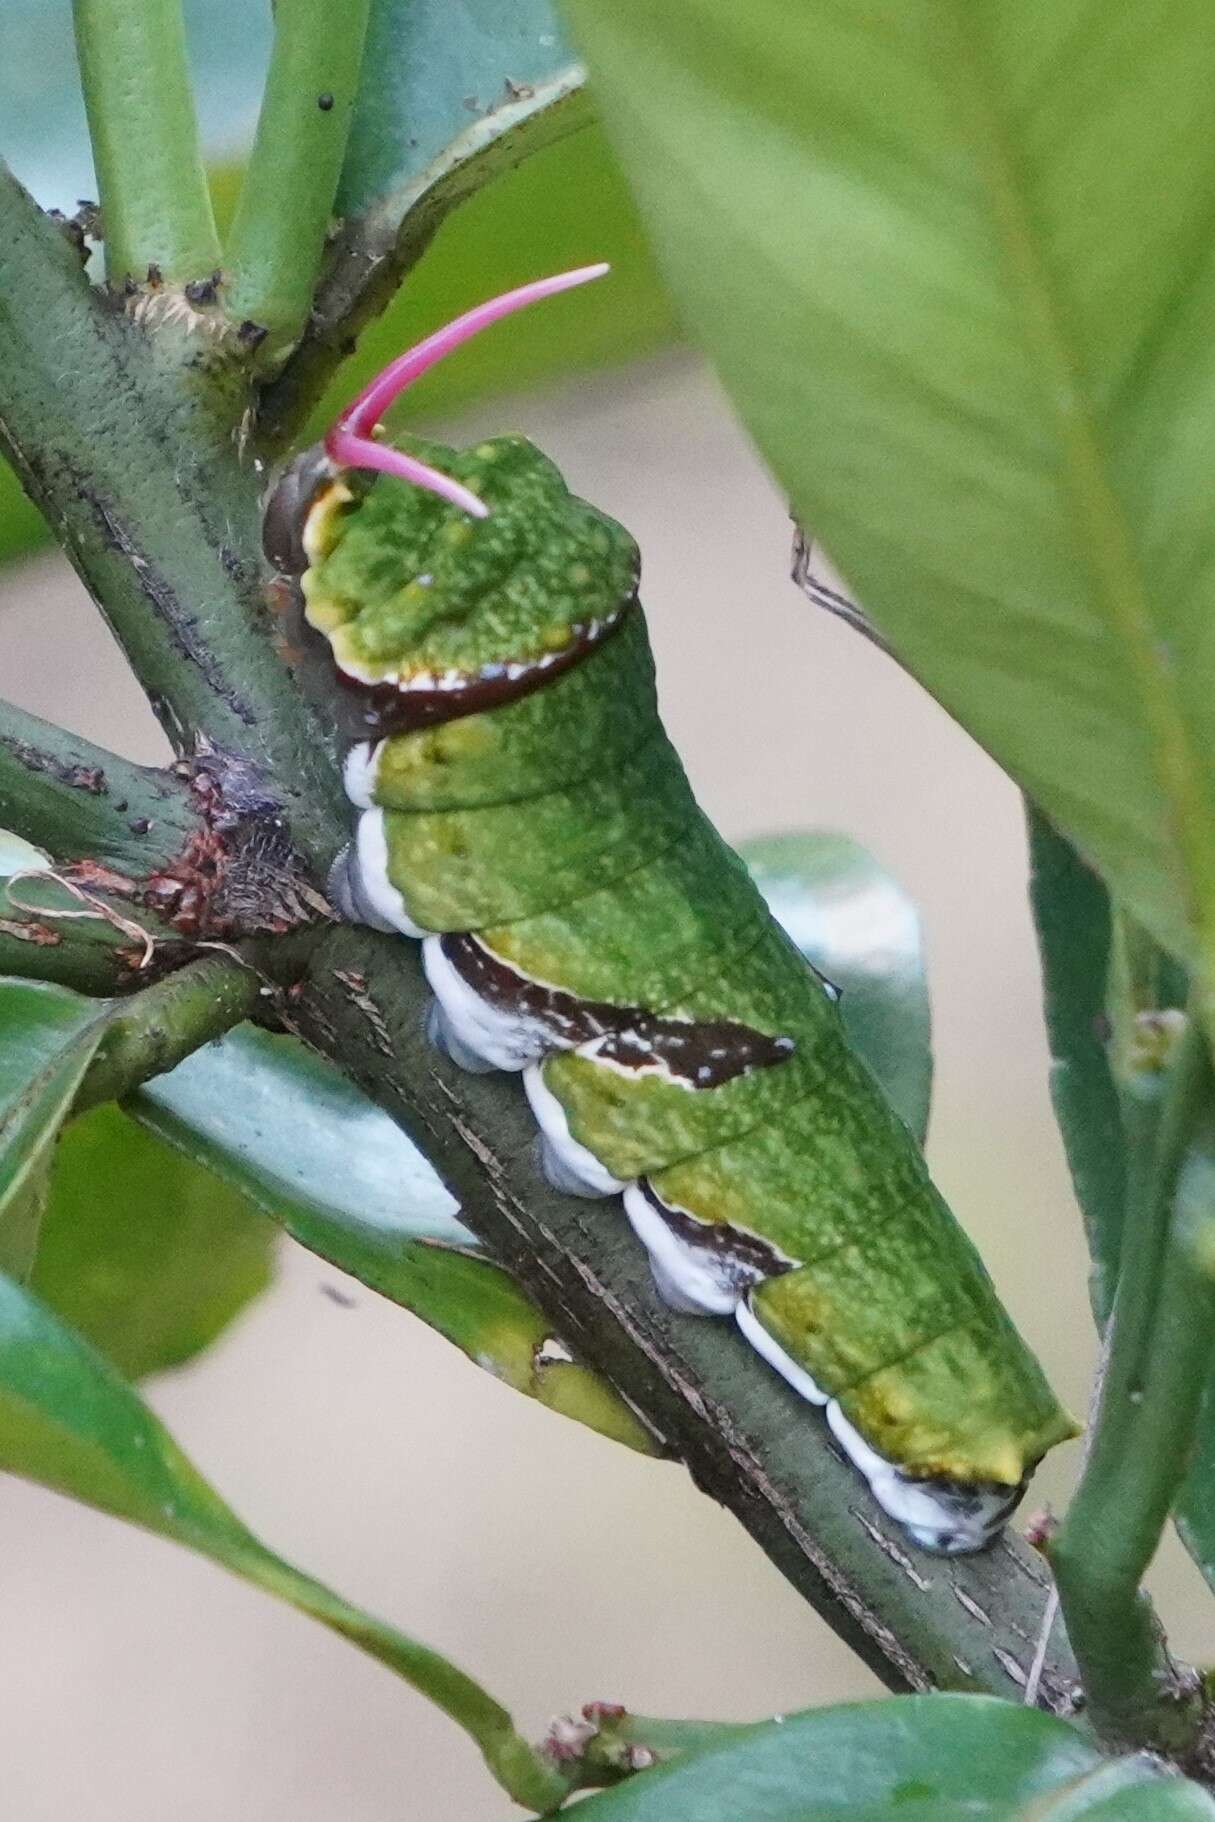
(138,1684)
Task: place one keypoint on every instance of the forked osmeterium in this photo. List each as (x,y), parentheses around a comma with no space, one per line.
(522,813)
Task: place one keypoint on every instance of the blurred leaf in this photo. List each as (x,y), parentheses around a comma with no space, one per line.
(438,71)
(68,1422)
(858,927)
(933,1758)
(144,1253)
(1072,915)
(47,1040)
(295,1136)
(151,1257)
(929,248)
(22,526)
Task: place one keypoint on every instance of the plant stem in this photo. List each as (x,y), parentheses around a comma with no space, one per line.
(155,205)
(608,1744)
(141,478)
(166,1022)
(161,519)
(970,1624)
(75,799)
(282,218)
(1160,1342)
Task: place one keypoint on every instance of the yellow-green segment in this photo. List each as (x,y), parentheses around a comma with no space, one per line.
(559,827)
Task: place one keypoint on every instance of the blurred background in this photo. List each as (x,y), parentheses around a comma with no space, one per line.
(136,1682)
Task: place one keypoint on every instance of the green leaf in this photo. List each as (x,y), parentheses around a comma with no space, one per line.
(1072,915)
(929,247)
(858,927)
(47,1041)
(441,72)
(307,1147)
(68,1422)
(935,1758)
(150,1257)
(301,1141)
(137,1247)
(143,1252)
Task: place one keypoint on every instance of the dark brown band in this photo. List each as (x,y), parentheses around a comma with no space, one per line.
(703,1053)
(755,1258)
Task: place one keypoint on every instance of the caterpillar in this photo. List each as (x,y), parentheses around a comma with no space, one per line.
(523,815)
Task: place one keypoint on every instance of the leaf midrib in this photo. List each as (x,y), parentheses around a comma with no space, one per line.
(1119,587)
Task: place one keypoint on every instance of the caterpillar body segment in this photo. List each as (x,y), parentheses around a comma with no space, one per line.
(521,811)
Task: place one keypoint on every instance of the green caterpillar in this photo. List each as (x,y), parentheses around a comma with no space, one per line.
(522,813)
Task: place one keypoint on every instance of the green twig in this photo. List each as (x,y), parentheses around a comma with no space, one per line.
(1160,1341)
(606,1743)
(136,468)
(75,799)
(372,253)
(166,1022)
(282,218)
(93,942)
(155,205)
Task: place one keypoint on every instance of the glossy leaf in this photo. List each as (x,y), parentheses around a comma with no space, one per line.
(142,1251)
(291,1132)
(479,104)
(438,72)
(47,1041)
(284,1127)
(69,1422)
(930,250)
(937,1758)
(850,918)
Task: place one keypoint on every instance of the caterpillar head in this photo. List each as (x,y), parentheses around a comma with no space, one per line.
(445,582)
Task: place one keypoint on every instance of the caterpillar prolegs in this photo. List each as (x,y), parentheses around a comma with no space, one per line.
(522,813)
